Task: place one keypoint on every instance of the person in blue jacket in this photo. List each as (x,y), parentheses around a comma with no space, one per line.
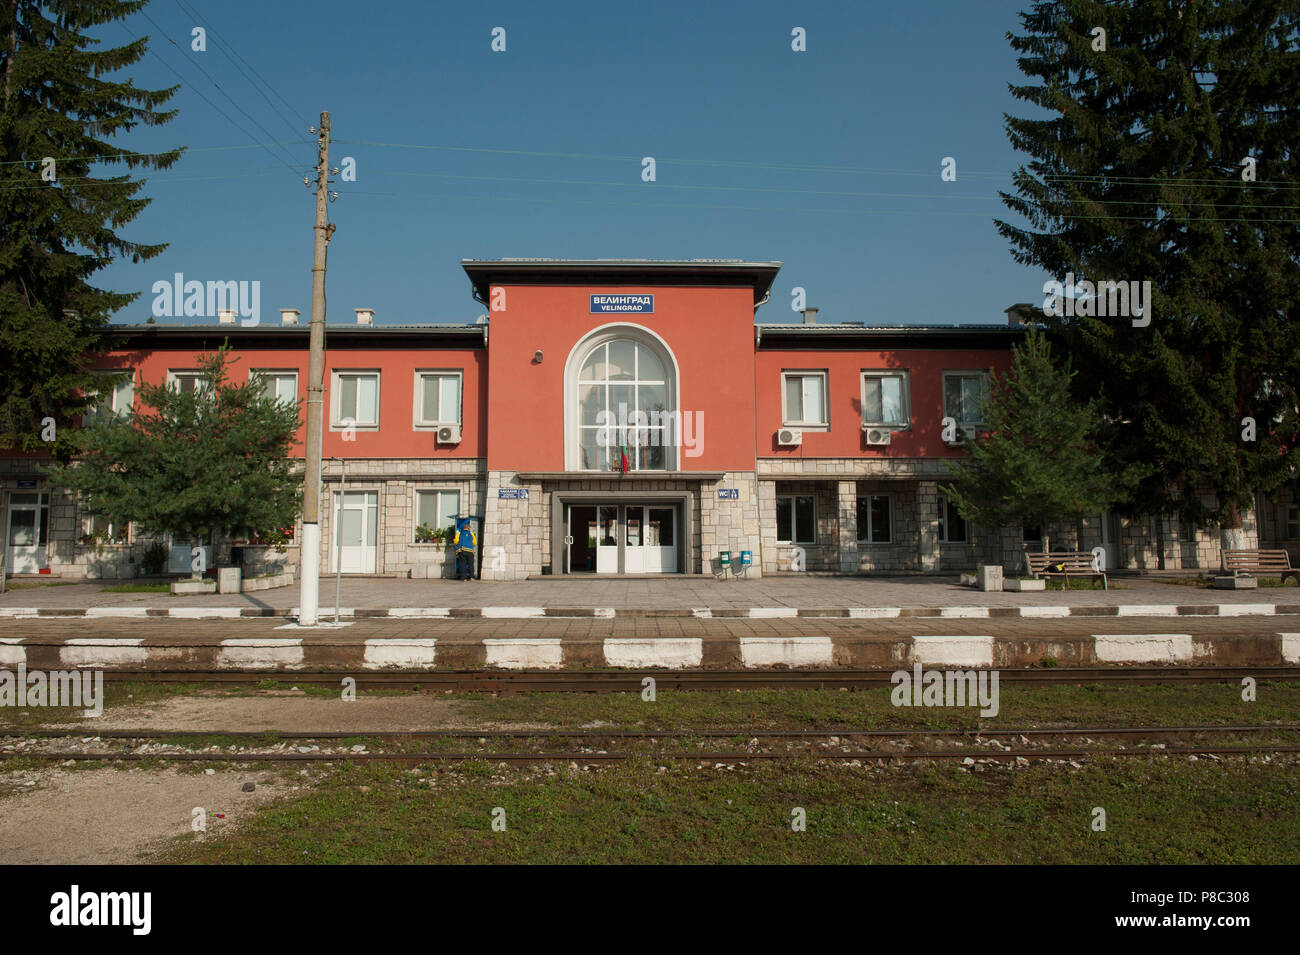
(466,548)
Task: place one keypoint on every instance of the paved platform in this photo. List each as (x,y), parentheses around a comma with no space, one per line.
(776,597)
(645,642)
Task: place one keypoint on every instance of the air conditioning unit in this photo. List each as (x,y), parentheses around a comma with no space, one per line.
(878,437)
(788,438)
(449,434)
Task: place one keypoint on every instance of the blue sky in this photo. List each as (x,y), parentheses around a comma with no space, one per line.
(827,160)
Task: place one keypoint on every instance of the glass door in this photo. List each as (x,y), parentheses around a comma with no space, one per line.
(607,539)
(29,519)
(357,515)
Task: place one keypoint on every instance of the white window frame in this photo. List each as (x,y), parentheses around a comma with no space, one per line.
(865,538)
(336,397)
(277,373)
(905,395)
(419,423)
(794,517)
(174,376)
(415,506)
(944,536)
(96,409)
(983,375)
(89,528)
(786,420)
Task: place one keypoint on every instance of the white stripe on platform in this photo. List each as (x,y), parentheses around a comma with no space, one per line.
(419,612)
(1246,610)
(963,611)
(18,612)
(792,651)
(1142,647)
(11,652)
(958,650)
(516,654)
(199,613)
(399,652)
(260,653)
(103,651)
(117,611)
(1146,610)
(704,613)
(1044,611)
(1290,647)
(325,613)
(867,613)
(512,613)
(773,611)
(669,652)
(604,612)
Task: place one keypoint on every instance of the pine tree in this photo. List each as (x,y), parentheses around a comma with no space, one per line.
(1138,175)
(1038,465)
(57,113)
(211,463)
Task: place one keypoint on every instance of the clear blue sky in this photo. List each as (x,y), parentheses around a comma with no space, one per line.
(736,120)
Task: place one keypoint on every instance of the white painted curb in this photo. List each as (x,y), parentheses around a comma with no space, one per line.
(1142,647)
(969,651)
(261,653)
(667,652)
(517,654)
(103,651)
(792,651)
(400,652)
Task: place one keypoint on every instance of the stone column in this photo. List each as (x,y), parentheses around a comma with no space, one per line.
(848,526)
(927,524)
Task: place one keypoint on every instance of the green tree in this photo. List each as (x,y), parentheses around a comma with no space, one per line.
(1138,174)
(209,463)
(58,112)
(1039,462)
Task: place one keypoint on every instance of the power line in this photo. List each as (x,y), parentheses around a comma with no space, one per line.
(133,155)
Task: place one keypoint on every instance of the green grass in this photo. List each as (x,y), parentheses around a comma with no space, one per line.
(33,584)
(137,589)
(1164,810)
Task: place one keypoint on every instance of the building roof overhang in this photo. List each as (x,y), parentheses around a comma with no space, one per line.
(296,336)
(884,337)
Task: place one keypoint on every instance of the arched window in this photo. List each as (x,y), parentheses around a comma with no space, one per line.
(624,395)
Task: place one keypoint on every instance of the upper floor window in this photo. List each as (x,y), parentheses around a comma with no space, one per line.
(625,408)
(437,398)
(803,399)
(117,400)
(280,385)
(355,399)
(188,382)
(886,399)
(963,393)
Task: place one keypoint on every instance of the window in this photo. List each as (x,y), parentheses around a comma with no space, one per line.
(188,382)
(437,398)
(804,399)
(280,385)
(952,526)
(875,519)
(1032,535)
(886,399)
(625,407)
(962,393)
(436,509)
(356,399)
(1293,521)
(796,519)
(101,529)
(117,401)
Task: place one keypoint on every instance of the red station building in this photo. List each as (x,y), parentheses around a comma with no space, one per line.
(613,417)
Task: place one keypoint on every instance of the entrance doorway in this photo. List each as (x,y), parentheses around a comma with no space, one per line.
(621,538)
(29,525)
(357,514)
(1110,539)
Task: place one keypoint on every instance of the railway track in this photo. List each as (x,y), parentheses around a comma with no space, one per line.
(588,756)
(624,681)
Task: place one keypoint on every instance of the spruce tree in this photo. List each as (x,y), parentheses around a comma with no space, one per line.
(210,463)
(60,211)
(1038,465)
(1137,174)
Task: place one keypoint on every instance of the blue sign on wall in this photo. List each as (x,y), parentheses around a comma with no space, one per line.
(728,494)
(642,304)
(512,494)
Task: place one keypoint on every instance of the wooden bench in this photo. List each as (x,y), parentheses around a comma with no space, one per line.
(1255,562)
(1065,564)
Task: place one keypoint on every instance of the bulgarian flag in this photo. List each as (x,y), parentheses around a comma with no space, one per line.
(622,459)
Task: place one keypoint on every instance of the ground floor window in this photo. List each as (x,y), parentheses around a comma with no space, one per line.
(100,529)
(796,519)
(952,526)
(875,519)
(1293,521)
(434,510)
(1032,535)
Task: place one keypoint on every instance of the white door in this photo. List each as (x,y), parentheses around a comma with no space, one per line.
(356,516)
(1109,540)
(180,556)
(29,520)
(660,540)
(607,539)
(634,549)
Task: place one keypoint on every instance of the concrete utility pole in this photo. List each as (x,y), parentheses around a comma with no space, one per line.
(309,553)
